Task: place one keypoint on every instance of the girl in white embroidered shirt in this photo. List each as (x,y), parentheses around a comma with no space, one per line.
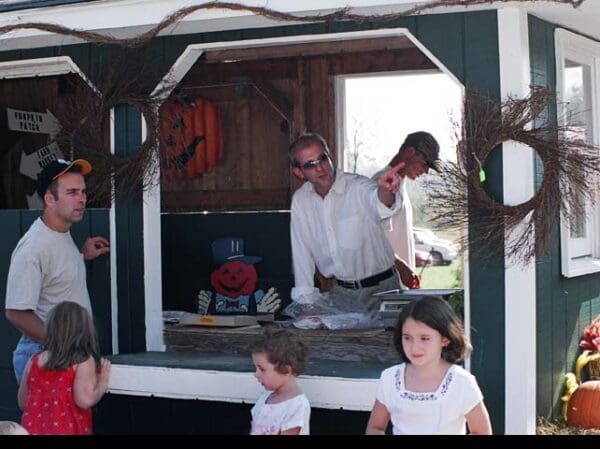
(282,409)
(429,393)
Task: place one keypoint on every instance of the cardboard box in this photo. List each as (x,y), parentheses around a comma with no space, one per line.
(192,319)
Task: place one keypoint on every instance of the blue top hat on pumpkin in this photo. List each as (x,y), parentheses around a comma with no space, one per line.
(230,249)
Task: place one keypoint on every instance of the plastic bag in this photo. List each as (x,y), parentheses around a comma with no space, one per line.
(332,311)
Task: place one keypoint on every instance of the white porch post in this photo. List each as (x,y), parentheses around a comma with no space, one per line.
(520,282)
(152,260)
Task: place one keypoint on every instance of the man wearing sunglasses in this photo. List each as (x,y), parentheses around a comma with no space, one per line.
(336,225)
(419,152)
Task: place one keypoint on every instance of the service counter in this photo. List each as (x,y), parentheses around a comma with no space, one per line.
(329,384)
(215,364)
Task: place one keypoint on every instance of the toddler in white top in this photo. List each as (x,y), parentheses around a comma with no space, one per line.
(283,409)
(429,393)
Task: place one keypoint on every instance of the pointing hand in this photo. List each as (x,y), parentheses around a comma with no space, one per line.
(389,179)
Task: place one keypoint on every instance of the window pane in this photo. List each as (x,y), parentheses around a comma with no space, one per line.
(579,118)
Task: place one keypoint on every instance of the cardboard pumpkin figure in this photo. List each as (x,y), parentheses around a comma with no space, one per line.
(234,283)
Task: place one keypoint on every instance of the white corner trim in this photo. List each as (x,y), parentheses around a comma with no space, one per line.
(520,283)
(192,52)
(34,68)
(29,68)
(128,18)
(152,259)
(228,386)
(112,217)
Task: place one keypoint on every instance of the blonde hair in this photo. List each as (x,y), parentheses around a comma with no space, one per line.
(70,337)
(12,428)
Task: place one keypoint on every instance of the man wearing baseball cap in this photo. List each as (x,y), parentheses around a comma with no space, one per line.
(46,267)
(419,152)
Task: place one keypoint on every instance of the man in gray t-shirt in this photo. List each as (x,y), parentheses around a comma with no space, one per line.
(46,267)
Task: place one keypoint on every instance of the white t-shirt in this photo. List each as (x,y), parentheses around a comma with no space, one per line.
(440,412)
(341,234)
(46,268)
(271,419)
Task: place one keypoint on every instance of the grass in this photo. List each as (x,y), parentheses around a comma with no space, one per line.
(443,276)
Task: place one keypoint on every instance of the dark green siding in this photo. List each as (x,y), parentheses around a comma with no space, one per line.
(13,224)
(10,226)
(129,242)
(564,306)
(127,415)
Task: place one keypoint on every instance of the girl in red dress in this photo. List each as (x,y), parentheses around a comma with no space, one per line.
(62,383)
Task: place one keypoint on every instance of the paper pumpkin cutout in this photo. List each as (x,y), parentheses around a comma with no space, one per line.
(234,279)
(234,282)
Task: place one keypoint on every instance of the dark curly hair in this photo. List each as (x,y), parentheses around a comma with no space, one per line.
(438,314)
(283,349)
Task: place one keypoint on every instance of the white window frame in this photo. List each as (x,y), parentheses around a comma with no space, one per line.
(576,48)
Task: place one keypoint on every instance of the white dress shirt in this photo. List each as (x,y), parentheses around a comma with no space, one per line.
(341,234)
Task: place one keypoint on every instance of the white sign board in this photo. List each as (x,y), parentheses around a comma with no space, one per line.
(34,201)
(33,163)
(32,122)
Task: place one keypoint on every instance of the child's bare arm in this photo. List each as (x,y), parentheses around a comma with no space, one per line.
(292,431)
(23,393)
(379,419)
(478,420)
(90,386)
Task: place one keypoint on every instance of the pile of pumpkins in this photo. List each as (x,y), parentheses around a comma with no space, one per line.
(581,402)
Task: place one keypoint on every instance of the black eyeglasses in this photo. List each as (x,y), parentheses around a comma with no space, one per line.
(310,165)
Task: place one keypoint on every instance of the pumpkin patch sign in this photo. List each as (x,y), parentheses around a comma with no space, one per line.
(234,282)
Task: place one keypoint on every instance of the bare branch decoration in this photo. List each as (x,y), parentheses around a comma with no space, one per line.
(570,170)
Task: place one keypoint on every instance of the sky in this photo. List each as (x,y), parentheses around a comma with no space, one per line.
(384,109)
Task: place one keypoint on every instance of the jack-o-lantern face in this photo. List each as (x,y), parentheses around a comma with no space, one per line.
(233,279)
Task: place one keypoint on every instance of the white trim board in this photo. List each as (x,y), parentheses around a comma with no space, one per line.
(587,52)
(152,259)
(227,386)
(114,303)
(126,18)
(38,67)
(519,279)
(190,55)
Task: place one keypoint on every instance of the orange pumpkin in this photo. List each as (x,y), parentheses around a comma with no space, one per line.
(214,139)
(191,138)
(584,406)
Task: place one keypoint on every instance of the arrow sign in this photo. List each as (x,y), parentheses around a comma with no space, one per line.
(32,122)
(34,201)
(33,163)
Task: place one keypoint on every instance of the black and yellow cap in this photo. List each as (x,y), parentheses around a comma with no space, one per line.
(56,169)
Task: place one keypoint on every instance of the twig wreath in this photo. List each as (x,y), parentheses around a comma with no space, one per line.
(570,176)
(126,80)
